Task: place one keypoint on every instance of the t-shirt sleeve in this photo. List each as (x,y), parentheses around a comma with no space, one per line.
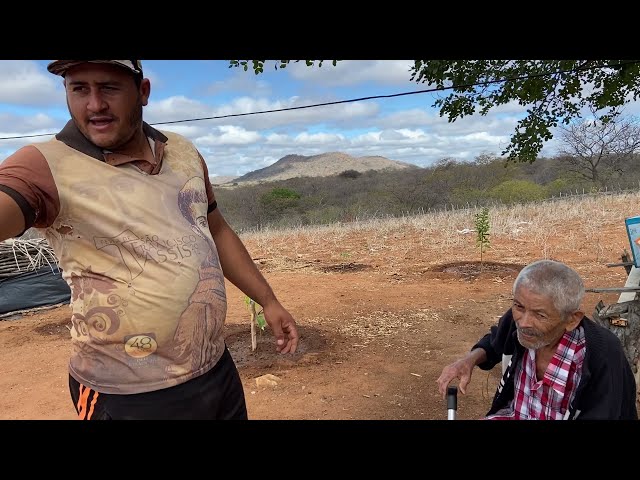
(207,184)
(26,177)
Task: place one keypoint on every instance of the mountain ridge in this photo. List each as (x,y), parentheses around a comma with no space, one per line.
(321,165)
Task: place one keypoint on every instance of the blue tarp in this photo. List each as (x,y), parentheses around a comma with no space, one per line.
(37,288)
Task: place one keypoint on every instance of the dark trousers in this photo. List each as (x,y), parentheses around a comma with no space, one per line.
(216,395)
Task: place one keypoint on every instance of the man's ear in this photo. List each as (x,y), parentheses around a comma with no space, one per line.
(574,320)
(145,90)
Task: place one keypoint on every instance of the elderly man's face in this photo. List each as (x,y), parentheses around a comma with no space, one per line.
(539,323)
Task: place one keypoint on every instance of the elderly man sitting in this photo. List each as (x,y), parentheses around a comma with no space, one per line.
(563,365)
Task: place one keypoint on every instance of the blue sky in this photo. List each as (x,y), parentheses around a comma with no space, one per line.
(405,128)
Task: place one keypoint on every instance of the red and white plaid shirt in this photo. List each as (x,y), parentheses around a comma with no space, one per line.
(549,398)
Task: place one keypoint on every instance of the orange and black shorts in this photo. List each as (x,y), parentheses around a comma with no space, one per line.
(215,395)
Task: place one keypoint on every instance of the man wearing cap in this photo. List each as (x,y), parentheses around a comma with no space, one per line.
(132,217)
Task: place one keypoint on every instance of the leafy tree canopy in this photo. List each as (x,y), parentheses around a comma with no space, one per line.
(555,91)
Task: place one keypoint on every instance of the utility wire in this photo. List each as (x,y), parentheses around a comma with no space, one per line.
(337,102)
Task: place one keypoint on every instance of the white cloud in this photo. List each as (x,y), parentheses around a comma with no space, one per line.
(24,83)
(182,108)
(175,108)
(407,118)
(405,128)
(277,139)
(318,138)
(14,125)
(229,135)
(353,72)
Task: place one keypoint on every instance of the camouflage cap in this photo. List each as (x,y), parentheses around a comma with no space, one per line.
(60,67)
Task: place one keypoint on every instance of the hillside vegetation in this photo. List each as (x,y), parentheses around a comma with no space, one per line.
(352,195)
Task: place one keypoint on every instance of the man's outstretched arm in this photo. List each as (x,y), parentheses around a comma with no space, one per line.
(11,217)
(239,268)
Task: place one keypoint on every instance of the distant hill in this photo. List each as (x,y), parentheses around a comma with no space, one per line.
(323,165)
(221,179)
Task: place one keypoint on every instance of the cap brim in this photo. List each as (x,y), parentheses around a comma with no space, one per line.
(59,67)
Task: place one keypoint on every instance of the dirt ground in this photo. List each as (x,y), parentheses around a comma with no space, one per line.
(378,322)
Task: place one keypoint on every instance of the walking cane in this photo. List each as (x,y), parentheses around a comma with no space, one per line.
(452,402)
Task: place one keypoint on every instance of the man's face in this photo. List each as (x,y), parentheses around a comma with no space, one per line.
(539,323)
(105,103)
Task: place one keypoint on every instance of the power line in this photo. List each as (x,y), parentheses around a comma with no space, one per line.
(373,97)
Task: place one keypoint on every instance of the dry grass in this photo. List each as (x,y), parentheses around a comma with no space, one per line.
(372,325)
(582,226)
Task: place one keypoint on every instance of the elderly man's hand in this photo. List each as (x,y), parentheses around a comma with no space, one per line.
(460,369)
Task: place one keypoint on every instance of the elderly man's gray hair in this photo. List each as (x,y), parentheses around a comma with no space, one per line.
(554,280)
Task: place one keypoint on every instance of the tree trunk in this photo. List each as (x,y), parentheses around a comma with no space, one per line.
(254,340)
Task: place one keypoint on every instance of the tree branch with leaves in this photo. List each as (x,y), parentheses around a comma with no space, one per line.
(556,91)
